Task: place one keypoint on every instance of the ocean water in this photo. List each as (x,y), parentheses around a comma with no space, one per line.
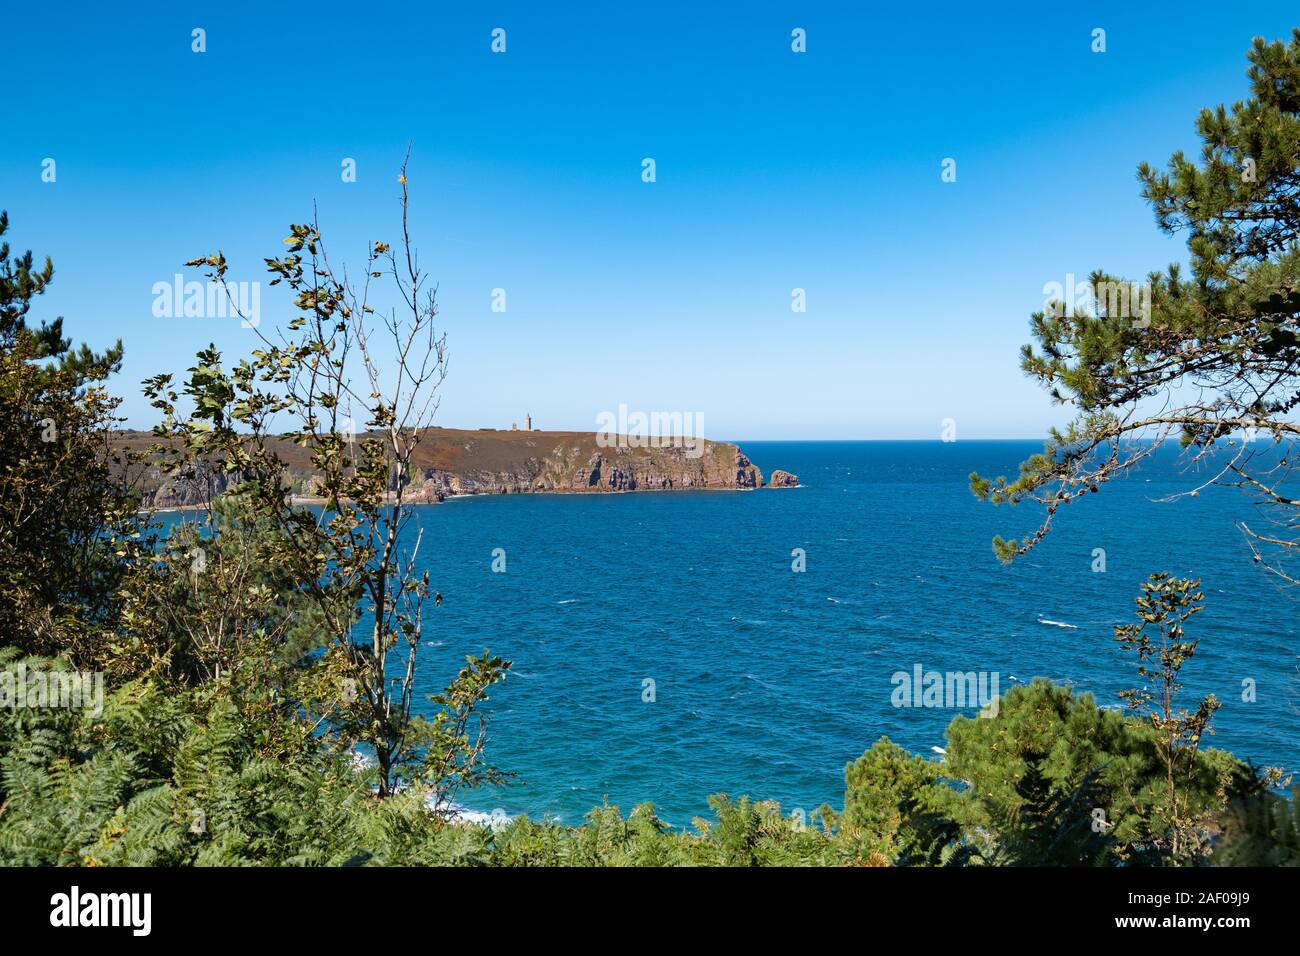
(767,681)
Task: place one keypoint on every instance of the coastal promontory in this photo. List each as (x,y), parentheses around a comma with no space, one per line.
(451,462)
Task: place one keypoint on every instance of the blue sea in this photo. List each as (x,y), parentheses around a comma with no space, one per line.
(767,681)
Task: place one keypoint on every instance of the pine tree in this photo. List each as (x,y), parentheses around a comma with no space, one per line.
(62,511)
(1210,358)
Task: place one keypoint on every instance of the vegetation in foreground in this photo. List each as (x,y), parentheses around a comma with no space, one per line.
(170,779)
(239,687)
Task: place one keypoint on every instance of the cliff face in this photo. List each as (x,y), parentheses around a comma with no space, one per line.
(192,489)
(573,462)
(455,462)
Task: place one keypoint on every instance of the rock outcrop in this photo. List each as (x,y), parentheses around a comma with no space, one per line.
(192,487)
(782,479)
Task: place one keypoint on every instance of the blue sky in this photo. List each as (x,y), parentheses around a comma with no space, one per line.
(775,170)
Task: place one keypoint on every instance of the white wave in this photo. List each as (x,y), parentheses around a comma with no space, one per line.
(498,819)
(1043,620)
(360,762)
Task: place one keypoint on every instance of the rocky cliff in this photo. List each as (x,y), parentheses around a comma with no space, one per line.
(461,462)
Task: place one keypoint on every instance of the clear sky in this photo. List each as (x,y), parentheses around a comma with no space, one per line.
(775,170)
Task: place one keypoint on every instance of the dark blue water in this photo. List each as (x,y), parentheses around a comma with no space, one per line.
(767,681)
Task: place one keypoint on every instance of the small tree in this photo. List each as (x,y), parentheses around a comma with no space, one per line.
(1165,605)
(358,386)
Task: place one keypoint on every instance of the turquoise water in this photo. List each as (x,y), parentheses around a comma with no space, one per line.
(768,681)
